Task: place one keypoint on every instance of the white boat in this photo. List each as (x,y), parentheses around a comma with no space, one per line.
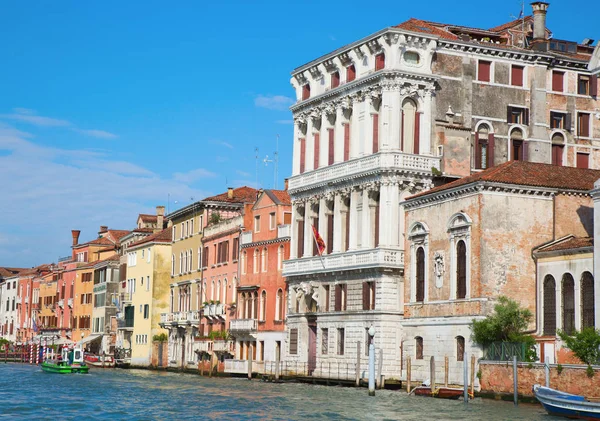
(566,405)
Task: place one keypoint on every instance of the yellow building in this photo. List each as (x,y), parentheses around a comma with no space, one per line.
(148,279)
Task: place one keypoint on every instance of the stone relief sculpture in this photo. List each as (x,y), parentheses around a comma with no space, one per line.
(438,268)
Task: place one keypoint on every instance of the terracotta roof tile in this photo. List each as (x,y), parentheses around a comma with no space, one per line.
(528,174)
(570,243)
(114,258)
(510,24)
(118,234)
(164,236)
(240,195)
(147,218)
(417,25)
(282,196)
(6,272)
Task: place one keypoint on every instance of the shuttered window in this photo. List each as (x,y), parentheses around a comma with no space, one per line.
(346,141)
(350,73)
(324,341)
(420,274)
(379,61)
(368,295)
(327,296)
(305,91)
(583,124)
(300,238)
(516,75)
(557,81)
(302,155)
(461,270)
(293,341)
(557,154)
(587,300)
(583,160)
(331,148)
(375,133)
(315,224)
(484,70)
(417,133)
(317,139)
(329,233)
(335,80)
(341,340)
(568,303)
(549,325)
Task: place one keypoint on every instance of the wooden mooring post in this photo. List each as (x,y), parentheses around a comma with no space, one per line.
(473,375)
(515,381)
(380,370)
(250,362)
(445,371)
(432,374)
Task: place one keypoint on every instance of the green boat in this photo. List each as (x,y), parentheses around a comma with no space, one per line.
(71,362)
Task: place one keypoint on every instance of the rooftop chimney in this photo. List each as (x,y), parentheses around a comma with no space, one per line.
(103,229)
(160,217)
(75,235)
(285,184)
(230,192)
(539,19)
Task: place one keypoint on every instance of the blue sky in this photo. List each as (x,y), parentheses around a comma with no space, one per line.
(109,108)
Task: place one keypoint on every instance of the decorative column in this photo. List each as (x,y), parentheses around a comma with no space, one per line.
(294,234)
(310,143)
(577,291)
(385,211)
(339,133)
(425,127)
(354,196)
(308,235)
(366,222)
(389,116)
(322,228)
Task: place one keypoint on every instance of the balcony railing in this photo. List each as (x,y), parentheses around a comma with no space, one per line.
(386,160)
(221,346)
(180,317)
(243,325)
(284,231)
(225,225)
(214,311)
(125,323)
(126,297)
(202,346)
(61,303)
(246,238)
(370,258)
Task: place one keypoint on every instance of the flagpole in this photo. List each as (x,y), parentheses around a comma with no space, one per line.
(317,244)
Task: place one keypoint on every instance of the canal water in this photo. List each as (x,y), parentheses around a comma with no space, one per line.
(27,393)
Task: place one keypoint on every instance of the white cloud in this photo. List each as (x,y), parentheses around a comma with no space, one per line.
(27,115)
(193,175)
(273,102)
(52,191)
(100,134)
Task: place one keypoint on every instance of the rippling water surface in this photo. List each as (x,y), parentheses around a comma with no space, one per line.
(28,393)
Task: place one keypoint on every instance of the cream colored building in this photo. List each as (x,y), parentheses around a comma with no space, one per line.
(148,279)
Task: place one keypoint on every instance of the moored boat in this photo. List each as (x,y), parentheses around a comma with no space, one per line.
(106,361)
(440,392)
(566,405)
(71,361)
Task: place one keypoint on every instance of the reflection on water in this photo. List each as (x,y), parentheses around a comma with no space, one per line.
(28,393)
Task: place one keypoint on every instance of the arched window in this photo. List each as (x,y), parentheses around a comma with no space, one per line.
(420,274)
(350,73)
(461,270)
(218,290)
(587,300)
(517,146)
(172,302)
(484,147)
(558,147)
(199,258)
(190,260)
(212,291)
(172,265)
(279,305)
(181,263)
(280,253)
(263,262)
(549,322)
(460,348)
(419,348)
(256,262)
(243,262)
(191,227)
(263,305)
(224,291)
(411,121)
(255,305)
(305,91)
(568,303)
(234,290)
(379,61)
(204,293)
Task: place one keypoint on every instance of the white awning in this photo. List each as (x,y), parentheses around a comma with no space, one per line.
(89,339)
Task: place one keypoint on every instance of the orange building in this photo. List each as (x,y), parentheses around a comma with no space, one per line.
(265,243)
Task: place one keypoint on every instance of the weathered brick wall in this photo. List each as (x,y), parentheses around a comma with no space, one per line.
(498,378)
(574,215)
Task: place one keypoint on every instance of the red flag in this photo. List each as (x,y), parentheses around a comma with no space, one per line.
(319,240)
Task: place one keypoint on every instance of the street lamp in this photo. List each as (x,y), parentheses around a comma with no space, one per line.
(371,332)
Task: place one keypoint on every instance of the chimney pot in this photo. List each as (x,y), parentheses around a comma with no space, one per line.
(230,192)
(160,217)
(160,211)
(539,19)
(75,235)
(285,184)
(103,228)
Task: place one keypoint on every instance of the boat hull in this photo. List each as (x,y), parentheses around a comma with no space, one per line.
(64,369)
(441,392)
(98,361)
(566,405)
